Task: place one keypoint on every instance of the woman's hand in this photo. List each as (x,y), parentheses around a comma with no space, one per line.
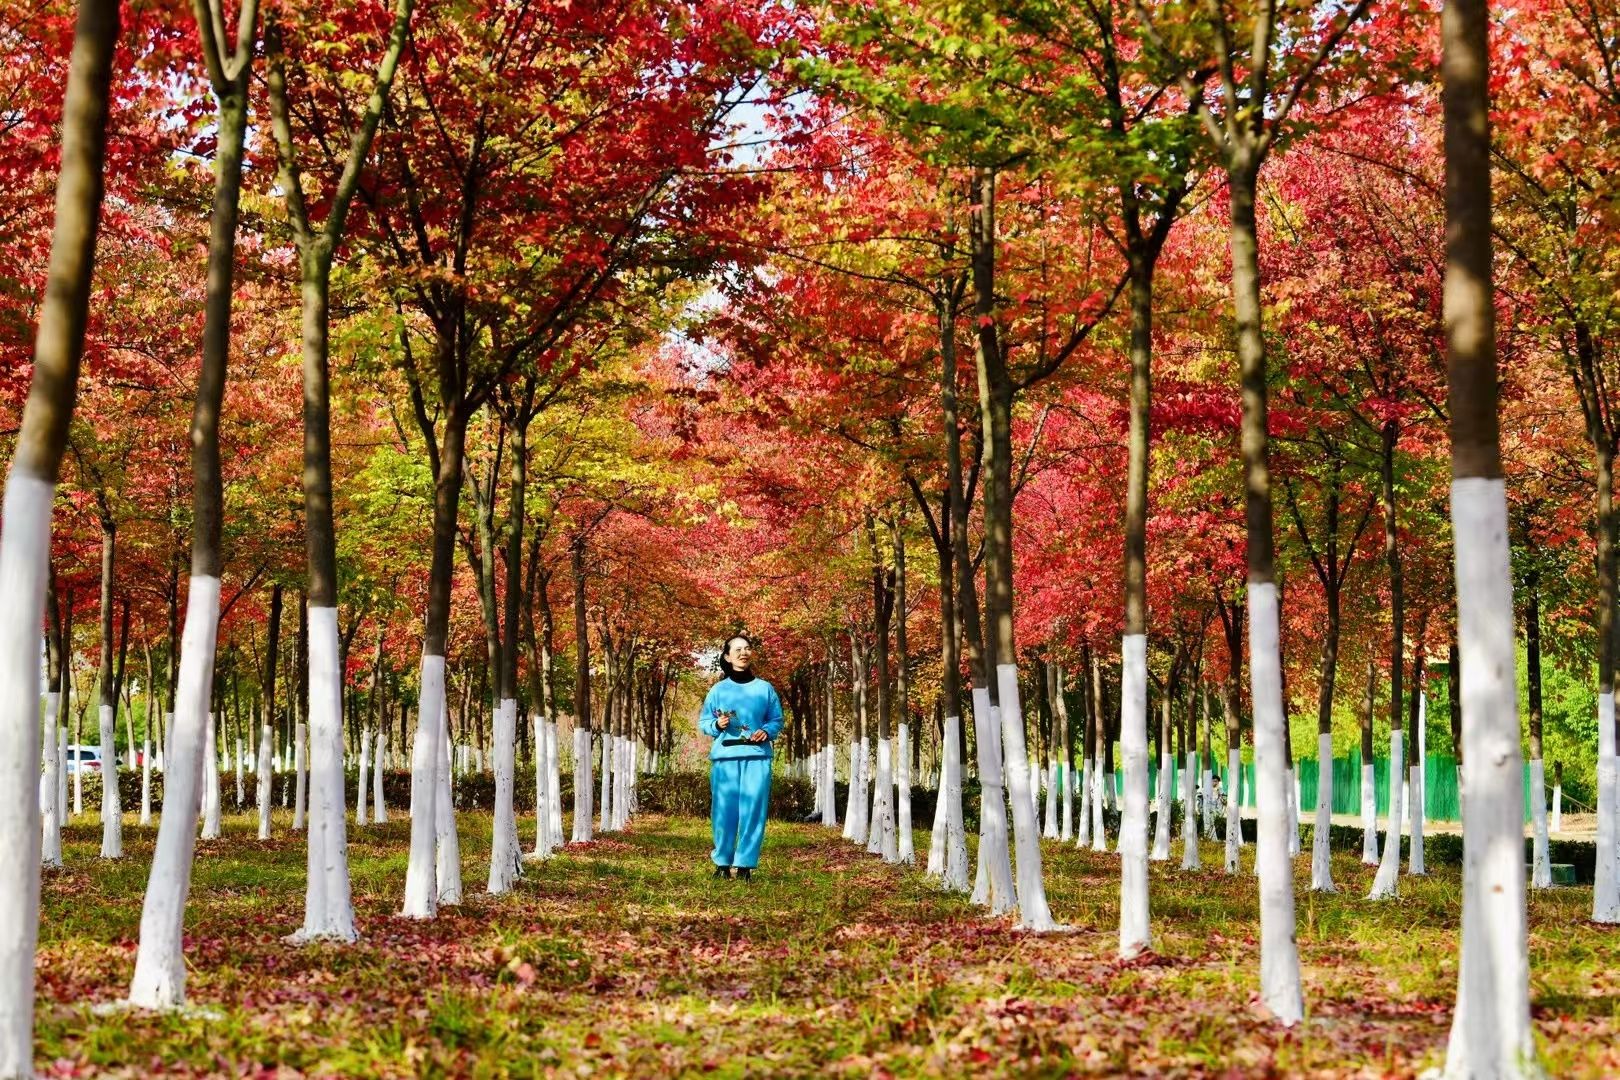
(722,721)
(758,736)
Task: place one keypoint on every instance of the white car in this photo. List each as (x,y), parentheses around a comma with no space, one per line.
(87,758)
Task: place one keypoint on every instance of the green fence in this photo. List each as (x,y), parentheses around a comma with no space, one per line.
(1440,800)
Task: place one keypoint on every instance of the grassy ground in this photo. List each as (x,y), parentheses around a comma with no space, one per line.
(624,958)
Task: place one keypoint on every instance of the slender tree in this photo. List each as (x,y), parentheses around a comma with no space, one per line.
(1491,1033)
(30,492)
(328,911)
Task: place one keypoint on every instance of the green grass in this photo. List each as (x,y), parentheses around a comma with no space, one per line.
(625,958)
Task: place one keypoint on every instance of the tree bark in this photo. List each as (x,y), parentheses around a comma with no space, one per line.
(582,698)
(159,968)
(1491,1031)
(995,413)
(1279,952)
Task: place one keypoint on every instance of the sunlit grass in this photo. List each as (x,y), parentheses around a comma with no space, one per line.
(627,958)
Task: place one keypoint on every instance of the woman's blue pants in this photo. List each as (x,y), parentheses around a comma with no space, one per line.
(741,793)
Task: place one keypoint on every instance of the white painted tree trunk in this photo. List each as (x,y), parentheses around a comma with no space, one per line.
(112,813)
(851,795)
(902,799)
(1208,781)
(25,545)
(266,781)
(1606,879)
(606,809)
(1369,815)
(1385,885)
(1049,827)
(1066,818)
(956,861)
(542,799)
(1033,911)
(880,838)
(625,779)
(1135,927)
(1541,861)
(300,775)
(160,964)
(61,776)
(1414,787)
(146,780)
(993,884)
(421,871)
(1292,789)
(237,765)
(50,793)
(1234,808)
(505,856)
(582,786)
(1082,831)
(859,813)
(362,777)
(1321,854)
(1099,782)
(1161,821)
(210,791)
(829,786)
(1491,1033)
(328,899)
(78,779)
(1190,856)
(613,780)
(936,837)
(447,840)
(1279,951)
(379,756)
(553,786)
(1557,824)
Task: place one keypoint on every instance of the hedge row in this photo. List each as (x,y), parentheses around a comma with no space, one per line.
(792,799)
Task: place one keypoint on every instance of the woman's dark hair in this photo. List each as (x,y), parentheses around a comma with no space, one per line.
(725,664)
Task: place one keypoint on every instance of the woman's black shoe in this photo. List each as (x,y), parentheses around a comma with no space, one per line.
(722,871)
(744,874)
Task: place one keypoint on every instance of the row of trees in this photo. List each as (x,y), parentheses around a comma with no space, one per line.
(588,379)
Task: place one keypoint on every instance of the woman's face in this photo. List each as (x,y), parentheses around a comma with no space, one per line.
(738,653)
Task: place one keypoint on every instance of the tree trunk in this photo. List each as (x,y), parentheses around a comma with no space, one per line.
(1415,715)
(1279,952)
(328,910)
(1385,885)
(582,699)
(1369,796)
(995,411)
(422,886)
(1135,931)
(906,758)
(266,747)
(159,979)
(1103,759)
(51,796)
(881,839)
(1231,709)
(1321,855)
(112,814)
(1491,1031)
(1606,882)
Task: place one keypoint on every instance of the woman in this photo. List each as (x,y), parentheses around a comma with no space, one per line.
(743,715)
